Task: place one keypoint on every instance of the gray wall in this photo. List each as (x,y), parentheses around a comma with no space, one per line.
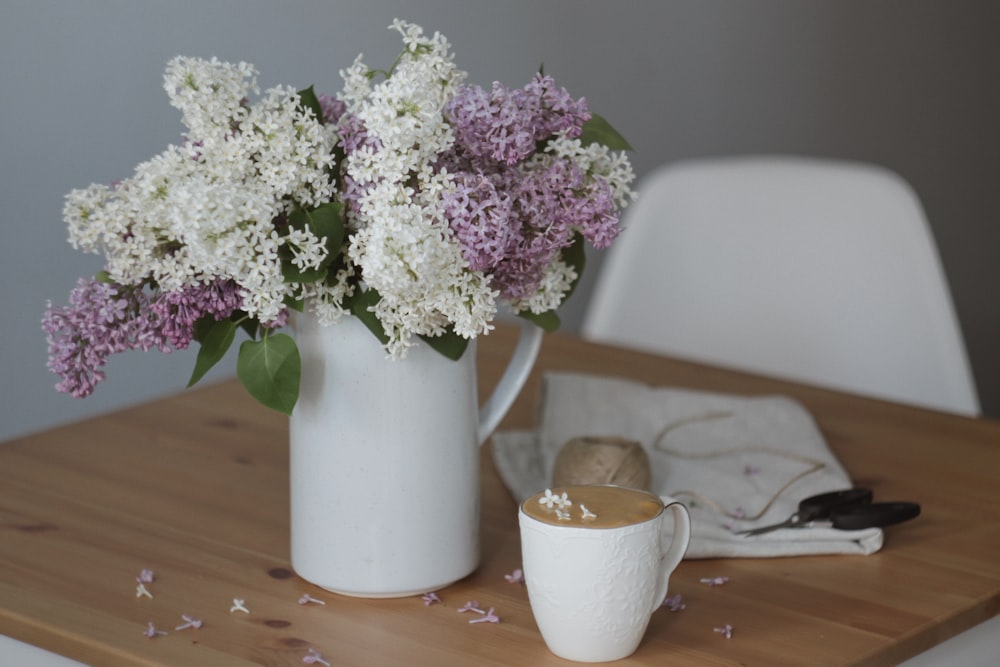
(909,84)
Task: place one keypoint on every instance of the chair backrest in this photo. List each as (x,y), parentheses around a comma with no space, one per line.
(819,271)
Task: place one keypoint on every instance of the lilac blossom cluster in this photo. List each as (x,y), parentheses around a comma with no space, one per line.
(103,319)
(454,198)
(437,172)
(514,208)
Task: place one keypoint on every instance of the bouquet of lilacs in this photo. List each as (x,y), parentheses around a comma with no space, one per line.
(411,200)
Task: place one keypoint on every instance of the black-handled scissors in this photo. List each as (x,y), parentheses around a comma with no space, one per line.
(848,509)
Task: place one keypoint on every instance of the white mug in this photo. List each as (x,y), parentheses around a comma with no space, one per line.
(593,589)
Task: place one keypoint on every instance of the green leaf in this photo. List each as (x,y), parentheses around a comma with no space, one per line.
(308,100)
(358,303)
(328,220)
(298,305)
(202,326)
(293,274)
(270,370)
(449,344)
(217,337)
(549,320)
(103,277)
(599,131)
(250,326)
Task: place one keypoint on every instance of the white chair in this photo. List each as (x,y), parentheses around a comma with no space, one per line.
(819,271)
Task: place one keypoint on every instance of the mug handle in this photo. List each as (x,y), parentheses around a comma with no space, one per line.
(672,557)
(513,379)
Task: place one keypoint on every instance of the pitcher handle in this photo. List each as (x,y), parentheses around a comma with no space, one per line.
(513,379)
(672,557)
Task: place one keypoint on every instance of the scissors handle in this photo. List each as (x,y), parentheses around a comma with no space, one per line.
(823,506)
(873,515)
(817,507)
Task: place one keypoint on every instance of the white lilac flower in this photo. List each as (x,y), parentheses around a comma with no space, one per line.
(557,279)
(208,92)
(726,631)
(599,161)
(189,622)
(206,210)
(308,252)
(401,242)
(325,299)
(714,581)
(551,500)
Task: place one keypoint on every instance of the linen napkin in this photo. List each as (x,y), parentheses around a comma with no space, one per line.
(735,462)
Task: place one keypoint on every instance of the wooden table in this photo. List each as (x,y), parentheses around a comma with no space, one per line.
(195,488)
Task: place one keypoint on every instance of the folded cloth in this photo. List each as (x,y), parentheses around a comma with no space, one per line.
(736,462)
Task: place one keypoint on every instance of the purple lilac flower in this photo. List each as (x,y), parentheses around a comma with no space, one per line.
(278,322)
(480,217)
(674,603)
(174,313)
(104,319)
(507,124)
(97,323)
(516,240)
(550,212)
(353,136)
(561,112)
(332,108)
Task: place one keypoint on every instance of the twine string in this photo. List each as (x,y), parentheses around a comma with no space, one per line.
(813,465)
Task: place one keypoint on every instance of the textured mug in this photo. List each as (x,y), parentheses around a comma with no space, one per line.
(593,589)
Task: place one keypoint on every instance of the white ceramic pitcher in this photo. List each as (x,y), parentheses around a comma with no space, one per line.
(384,460)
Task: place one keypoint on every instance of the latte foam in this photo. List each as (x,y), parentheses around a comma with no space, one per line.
(593,506)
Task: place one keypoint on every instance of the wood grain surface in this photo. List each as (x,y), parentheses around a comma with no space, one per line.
(195,487)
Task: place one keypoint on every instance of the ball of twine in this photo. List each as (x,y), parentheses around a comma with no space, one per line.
(602,460)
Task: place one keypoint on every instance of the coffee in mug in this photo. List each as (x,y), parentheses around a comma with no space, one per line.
(597,562)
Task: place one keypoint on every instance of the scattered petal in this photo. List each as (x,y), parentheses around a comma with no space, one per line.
(238,605)
(314,657)
(189,622)
(145,576)
(471,605)
(714,581)
(488,617)
(151,631)
(515,577)
(563,515)
(431,598)
(551,500)
(141,590)
(674,603)
(306,599)
(726,631)
(587,514)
